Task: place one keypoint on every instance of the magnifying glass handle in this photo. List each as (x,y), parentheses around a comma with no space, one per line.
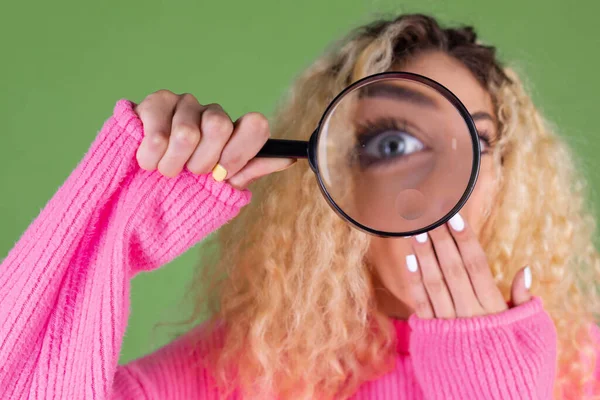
(283,148)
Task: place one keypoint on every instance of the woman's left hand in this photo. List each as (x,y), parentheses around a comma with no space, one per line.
(451,277)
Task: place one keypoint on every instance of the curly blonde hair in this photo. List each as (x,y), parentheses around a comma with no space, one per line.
(289,282)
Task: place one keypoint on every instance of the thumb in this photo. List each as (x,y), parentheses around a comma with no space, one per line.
(520,288)
(257,168)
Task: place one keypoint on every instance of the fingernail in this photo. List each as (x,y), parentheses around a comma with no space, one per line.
(411,263)
(219,173)
(422,237)
(527,277)
(457,223)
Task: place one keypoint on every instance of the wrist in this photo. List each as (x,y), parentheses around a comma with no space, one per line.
(508,317)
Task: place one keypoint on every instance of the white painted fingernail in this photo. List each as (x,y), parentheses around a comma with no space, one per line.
(411,263)
(527,277)
(457,223)
(422,237)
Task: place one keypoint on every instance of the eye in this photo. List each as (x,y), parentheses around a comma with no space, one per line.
(485,143)
(391,144)
(386,140)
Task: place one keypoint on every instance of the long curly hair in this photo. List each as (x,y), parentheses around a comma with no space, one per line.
(287,280)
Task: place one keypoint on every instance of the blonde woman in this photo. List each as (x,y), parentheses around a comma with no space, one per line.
(497,304)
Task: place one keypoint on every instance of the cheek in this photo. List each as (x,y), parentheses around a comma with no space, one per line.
(483,196)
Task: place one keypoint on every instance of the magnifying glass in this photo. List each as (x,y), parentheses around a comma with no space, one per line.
(395,154)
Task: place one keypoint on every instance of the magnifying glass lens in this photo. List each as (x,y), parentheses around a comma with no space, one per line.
(395,155)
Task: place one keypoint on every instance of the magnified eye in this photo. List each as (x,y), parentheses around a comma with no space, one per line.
(384,141)
(392,144)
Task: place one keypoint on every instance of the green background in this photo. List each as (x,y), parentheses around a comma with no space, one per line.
(63,64)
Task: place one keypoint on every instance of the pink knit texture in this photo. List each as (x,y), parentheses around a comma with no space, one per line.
(64,297)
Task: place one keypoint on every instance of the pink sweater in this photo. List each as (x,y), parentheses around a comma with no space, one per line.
(64,297)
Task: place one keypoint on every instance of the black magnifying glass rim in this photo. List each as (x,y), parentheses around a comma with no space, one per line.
(441,89)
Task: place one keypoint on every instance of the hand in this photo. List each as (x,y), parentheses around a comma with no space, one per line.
(179,133)
(450,276)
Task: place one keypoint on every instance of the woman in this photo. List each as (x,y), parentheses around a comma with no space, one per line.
(497,304)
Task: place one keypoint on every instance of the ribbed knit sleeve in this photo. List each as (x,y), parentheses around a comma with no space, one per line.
(64,287)
(510,355)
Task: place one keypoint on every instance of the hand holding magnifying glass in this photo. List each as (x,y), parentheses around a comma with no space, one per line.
(180,133)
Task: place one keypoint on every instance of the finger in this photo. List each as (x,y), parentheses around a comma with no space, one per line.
(422,306)
(433,279)
(249,136)
(476,265)
(453,269)
(520,288)
(155,112)
(185,136)
(257,168)
(215,128)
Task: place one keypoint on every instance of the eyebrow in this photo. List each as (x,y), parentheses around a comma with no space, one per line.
(398,93)
(414,96)
(480,115)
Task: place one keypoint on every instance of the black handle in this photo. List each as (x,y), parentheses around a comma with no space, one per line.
(283,148)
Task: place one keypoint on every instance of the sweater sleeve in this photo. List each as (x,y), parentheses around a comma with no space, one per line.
(64,287)
(510,355)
